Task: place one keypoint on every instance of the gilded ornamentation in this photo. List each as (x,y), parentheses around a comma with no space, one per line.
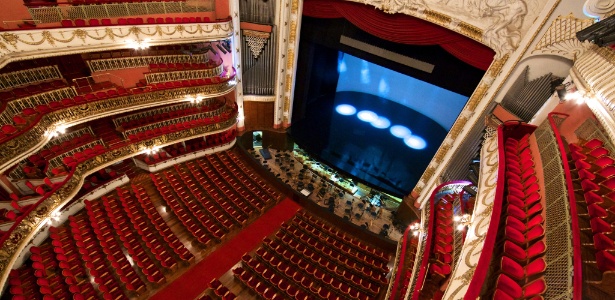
(295,7)
(599,8)
(560,39)
(473,245)
(27,43)
(25,144)
(26,229)
(293,31)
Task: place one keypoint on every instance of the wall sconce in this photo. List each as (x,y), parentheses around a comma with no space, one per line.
(152,150)
(567,91)
(138,45)
(463,221)
(415,228)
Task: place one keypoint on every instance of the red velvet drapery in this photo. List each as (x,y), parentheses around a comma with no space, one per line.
(402,29)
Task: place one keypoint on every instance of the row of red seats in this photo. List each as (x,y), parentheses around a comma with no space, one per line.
(79,157)
(220,290)
(238,207)
(43,3)
(305,231)
(331,231)
(40,159)
(8,131)
(176,113)
(32,89)
(365,279)
(71,264)
(595,171)
(134,235)
(191,146)
(523,230)
(96,261)
(99,178)
(244,176)
(188,220)
(223,210)
(227,218)
(107,217)
(50,282)
(133,137)
(155,220)
(22,284)
(132,21)
(443,239)
(104,236)
(8,215)
(263,280)
(320,263)
(170,67)
(228,186)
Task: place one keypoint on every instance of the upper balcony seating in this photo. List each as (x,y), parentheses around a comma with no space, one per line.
(133,21)
(9,131)
(8,95)
(442,248)
(521,240)
(593,171)
(163,50)
(172,67)
(24,75)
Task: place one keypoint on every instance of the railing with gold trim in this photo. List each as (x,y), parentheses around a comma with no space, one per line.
(36,137)
(177,120)
(152,112)
(117,63)
(56,161)
(183,75)
(24,77)
(51,14)
(14,241)
(21,44)
(14,107)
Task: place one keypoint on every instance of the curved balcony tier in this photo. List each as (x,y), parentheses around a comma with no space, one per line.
(39,134)
(26,227)
(28,44)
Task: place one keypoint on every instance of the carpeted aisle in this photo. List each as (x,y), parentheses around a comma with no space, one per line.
(196,280)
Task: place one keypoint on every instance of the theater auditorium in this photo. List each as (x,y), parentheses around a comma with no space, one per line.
(307,149)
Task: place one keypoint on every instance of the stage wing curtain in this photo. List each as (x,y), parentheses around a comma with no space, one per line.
(402,29)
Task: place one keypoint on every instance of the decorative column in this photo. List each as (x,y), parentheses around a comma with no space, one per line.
(288,23)
(236,51)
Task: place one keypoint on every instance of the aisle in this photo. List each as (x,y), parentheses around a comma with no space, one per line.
(196,280)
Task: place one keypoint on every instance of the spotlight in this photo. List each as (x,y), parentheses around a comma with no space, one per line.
(367,116)
(400,131)
(381,123)
(345,109)
(415,142)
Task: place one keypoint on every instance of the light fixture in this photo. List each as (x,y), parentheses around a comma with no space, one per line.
(152,150)
(415,228)
(138,45)
(462,221)
(567,91)
(345,109)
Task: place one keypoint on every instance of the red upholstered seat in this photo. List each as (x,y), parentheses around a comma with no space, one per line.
(594,143)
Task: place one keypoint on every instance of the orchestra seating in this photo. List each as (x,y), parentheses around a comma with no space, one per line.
(310,259)
(520,243)
(593,170)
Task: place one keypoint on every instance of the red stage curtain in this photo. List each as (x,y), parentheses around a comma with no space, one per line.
(402,29)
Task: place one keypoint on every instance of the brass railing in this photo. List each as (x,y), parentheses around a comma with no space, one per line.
(152,112)
(56,161)
(183,75)
(51,14)
(21,233)
(117,63)
(36,137)
(14,107)
(24,77)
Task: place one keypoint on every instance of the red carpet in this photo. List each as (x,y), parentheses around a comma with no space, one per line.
(196,280)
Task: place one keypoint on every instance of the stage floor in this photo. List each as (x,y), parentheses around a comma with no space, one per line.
(357,148)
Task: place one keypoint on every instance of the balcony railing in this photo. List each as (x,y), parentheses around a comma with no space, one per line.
(183,75)
(25,77)
(36,137)
(51,14)
(117,63)
(22,44)
(26,227)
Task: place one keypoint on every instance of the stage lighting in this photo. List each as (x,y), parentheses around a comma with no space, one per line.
(345,109)
(415,142)
(367,116)
(381,123)
(400,131)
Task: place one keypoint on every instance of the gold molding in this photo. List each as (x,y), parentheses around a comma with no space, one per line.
(19,147)
(31,223)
